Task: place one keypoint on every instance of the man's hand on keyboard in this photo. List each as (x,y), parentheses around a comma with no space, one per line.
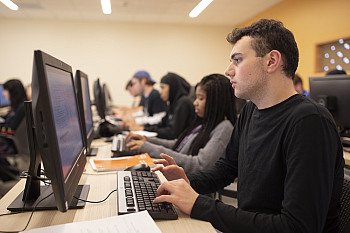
(179,193)
(170,169)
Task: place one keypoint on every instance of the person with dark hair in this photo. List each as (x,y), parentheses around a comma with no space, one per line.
(14,91)
(285,149)
(151,108)
(201,144)
(153,105)
(335,72)
(180,112)
(298,85)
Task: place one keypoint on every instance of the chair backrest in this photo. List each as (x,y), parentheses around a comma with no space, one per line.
(20,138)
(345,203)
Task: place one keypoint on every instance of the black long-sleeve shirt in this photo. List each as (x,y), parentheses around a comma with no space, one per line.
(289,163)
(176,121)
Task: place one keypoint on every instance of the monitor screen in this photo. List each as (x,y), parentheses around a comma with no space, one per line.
(3,101)
(333,92)
(66,118)
(87,103)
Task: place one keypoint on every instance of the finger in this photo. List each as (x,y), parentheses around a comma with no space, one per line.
(161,161)
(128,137)
(168,158)
(163,198)
(158,168)
(130,144)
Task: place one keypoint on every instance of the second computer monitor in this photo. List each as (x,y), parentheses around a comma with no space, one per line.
(333,92)
(84,103)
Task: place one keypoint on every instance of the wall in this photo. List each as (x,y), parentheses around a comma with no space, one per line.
(114,51)
(312,22)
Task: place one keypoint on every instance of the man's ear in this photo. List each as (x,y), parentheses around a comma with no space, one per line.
(274,60)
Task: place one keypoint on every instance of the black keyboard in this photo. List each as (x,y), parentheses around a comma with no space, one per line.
(136,191)
(119,147)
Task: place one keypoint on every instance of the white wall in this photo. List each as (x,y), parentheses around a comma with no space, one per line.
(114,51)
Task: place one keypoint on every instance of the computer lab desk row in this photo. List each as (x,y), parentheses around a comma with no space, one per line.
(101,184)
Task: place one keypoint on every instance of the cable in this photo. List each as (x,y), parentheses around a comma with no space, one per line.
(30,217)
(96,201)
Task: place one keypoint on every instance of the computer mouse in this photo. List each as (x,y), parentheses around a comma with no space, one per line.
(138,167)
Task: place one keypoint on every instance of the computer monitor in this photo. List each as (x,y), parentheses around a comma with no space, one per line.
(99,99)
(107,99)
(333,92)
(55,137)
(84,104)
(3,101)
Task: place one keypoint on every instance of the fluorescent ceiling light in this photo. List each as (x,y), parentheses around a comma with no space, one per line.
(10,4)
(106,7)
(199,8)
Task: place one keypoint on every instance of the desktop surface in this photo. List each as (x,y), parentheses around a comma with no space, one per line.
(98,191)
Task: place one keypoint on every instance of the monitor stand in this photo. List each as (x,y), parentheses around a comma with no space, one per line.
(18,205)
(92,152)
(33,192)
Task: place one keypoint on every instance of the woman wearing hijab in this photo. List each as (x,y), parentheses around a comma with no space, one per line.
(201,144)
(180,113)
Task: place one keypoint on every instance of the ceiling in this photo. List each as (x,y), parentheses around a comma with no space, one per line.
(219,12)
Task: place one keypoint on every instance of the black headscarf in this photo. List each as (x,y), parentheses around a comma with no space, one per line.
(178,87)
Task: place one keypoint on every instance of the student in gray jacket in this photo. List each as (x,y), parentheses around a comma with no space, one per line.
(200,145)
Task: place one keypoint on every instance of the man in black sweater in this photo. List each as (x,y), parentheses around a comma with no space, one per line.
(285,149)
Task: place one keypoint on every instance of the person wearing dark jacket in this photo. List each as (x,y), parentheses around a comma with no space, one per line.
(180,113)
(13,91)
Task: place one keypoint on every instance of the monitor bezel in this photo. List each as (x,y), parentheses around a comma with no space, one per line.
(89,135)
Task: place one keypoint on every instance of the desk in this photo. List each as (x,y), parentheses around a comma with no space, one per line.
(100,186)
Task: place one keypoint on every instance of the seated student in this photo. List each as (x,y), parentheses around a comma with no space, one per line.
(298,85)
(13,91)
(199,146)
(180,112)
(154,108)
(285,148)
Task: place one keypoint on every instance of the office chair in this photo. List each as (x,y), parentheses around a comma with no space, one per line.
(344,225)
(12,164)
(19,138)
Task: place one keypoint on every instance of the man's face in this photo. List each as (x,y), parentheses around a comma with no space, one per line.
(246,70)
(132,91)
(137,87)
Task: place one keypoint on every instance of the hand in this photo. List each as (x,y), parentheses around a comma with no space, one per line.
(170,169)
(135,144)
(179,193)
(132,136)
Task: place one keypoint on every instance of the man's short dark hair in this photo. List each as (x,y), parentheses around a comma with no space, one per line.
(269,34)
